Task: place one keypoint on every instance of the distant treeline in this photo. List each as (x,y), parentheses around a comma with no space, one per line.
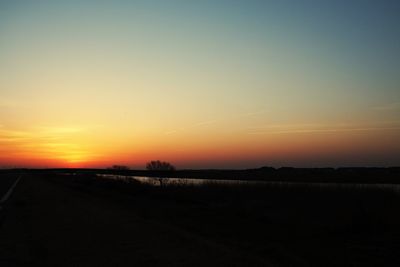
(286,174)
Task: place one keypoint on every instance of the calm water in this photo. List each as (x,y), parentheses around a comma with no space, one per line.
(177,181)
(194,181)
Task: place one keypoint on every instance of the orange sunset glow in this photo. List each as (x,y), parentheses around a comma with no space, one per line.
(96,85)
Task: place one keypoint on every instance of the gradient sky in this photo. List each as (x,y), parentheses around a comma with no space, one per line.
(202,84)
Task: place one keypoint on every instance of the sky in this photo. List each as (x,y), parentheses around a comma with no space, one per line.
(201,84)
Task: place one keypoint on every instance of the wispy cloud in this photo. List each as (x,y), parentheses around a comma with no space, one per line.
(60,130)
(171,132)
(305,131)
(304,128)
(324,129)
(10,103)
(253,113)
(13,135)
(205,123)
(51,142)
(287,126)
(194,125)
(214,121)
(37,133)
(388,107)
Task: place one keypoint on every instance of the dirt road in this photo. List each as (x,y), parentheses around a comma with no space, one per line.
(6,182)
(50,224)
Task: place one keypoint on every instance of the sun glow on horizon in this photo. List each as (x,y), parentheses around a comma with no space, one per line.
(201,84)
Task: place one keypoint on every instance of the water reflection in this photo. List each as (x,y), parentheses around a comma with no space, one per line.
(154,181)
(178,181)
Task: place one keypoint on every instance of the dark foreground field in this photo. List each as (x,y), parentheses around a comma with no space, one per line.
(81,220)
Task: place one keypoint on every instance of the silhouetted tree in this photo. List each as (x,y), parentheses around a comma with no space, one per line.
(157,165)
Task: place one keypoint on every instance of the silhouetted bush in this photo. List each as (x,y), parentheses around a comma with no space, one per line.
(119,168)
